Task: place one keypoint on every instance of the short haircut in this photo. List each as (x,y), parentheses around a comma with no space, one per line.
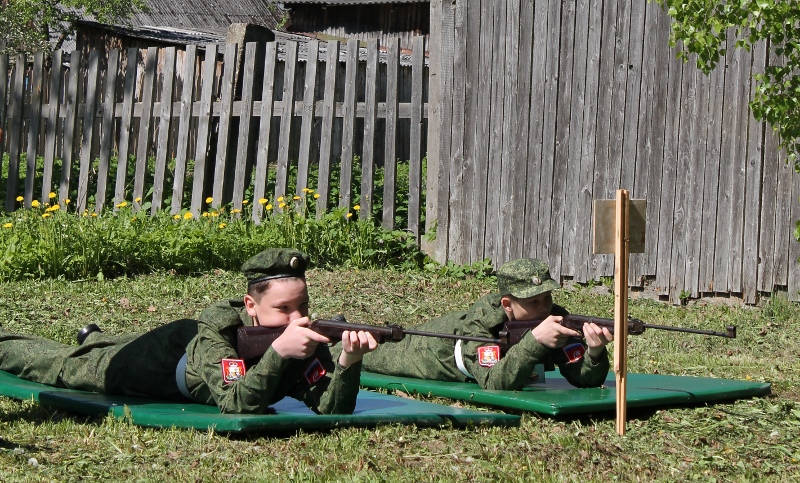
(258,289)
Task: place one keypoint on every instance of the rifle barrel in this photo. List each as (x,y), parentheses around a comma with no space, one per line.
(486,340)
(730,332)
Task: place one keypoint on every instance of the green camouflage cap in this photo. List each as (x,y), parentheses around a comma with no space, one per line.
(525,277)
(275,263)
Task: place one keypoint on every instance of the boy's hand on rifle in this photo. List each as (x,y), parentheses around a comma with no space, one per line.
(298,341)
(355,345)
(596,338)
(550,333)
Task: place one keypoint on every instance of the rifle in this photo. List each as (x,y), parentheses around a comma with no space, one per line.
(514,330)
(252,342)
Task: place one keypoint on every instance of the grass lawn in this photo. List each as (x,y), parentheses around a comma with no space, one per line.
(744,440)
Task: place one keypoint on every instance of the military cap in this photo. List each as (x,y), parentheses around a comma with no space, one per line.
(275,263)
(525,277)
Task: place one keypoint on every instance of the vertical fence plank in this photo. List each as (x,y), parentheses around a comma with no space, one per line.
(455,229)
(282,173)
(71,110)
(783,220)
(51,123)
(165,120)
(309,105)
(33,125)
(370,120)
(752,190)
(326,134)
(3,93)
(245,119)
(107,128)
(226,113)
(265,125)
(767,216)
(145,120)
(15,108)
(348,123)
(390,152)
(88,129)
(203,128)
(415,161)
(125,122)
(184,122)
(794,247)
(473,119)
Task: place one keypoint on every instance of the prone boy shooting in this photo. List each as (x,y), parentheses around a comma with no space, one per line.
(197,359)
(524,293)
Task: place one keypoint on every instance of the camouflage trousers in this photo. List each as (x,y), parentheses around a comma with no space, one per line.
(131,365)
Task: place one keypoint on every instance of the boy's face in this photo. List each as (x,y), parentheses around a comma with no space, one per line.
(531,308)
(284,301)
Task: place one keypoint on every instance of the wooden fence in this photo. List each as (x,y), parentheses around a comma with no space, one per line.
(194,119)
(543,106)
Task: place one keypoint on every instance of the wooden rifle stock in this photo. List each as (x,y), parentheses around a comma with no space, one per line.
(252,342)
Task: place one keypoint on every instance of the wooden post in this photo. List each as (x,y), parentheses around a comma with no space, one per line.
(621,306)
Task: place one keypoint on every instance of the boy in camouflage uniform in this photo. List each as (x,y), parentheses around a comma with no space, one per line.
(525,289)
(197,359)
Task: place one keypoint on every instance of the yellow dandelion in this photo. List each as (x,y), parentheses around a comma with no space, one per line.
(133,219)
(282,205)
(20,198)
(214,213)
(222,225)
(296,198)
(349,215)
(205,214)
(280,198)
(55,208)
(176,217)
(45,215)
(307,190)
(316,196)
(122,205)
(357,207)
(209,199)
(268,207)
(262,201)
(35,203)
(188,215)
(7,225)
(138,200)
(94,215)
(244,202)
(51,195)
(66,201)
(236,210)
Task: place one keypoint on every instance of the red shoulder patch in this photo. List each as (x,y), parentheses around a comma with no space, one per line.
(574,351)
(488,355)
(232,370)
(314,372)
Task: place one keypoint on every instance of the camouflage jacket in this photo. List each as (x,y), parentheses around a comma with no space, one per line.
(434,358)
(270,379)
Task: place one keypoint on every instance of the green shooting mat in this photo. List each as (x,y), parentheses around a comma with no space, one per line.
(290,415)
(557,397)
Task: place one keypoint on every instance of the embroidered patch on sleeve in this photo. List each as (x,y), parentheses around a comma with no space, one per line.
(314,372)
(574,351)
(488,355)
(232,370)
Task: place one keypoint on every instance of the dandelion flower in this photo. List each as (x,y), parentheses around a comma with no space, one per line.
(188,215)
(282,205)
(176,217)
(262,201)
(133,219)
(268,207)
(349,215)
(55,208)
(214,213)
(35,203)
(138,200)
(280,198)
(209,199)
(357,207)
(94,215)
(205,214)
(66,201)
(316,196)
(45,215)
(20,198)
(122,205)
(244,202)
(7,225)
(236,210)
(296,198)
(222,225)
(51,195)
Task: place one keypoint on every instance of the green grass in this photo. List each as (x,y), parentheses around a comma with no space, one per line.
(746,440)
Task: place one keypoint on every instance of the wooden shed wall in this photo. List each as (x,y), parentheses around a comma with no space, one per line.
(548,105)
